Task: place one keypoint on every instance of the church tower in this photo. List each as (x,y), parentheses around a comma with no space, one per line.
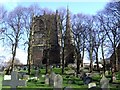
(68,42)
(44,47)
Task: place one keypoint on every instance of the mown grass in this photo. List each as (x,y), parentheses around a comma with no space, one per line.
(76,83)
(1,78)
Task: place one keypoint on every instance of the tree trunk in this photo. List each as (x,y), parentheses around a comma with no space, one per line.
(116,64)
(104,63)
(91,62)
(82,57)
(62,60)
(97,60)
(14,54)
(47,63)
(78,62)
(29,60)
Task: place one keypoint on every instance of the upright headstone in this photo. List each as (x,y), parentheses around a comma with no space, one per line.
(106,73)
(51,79)
(21,74)
(58,80)
(14,82)
(113,77)
(47,79)
(37,73)
(87,80)
(104,82)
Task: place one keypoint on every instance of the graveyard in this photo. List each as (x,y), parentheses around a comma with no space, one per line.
(55,79)
(44,49)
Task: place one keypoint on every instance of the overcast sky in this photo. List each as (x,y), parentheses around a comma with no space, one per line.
(76,6)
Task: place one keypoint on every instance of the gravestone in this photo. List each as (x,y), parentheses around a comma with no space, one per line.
(104,82)
(7,77)
(21,74)
(43,76)
(58,80)
(87,80)
(113,77)
(68,88)
(14,82)
(95,88)
(25,77)
(33,78)
(51,79)
(47,79)
(90,85)
(106,73)
(37,73)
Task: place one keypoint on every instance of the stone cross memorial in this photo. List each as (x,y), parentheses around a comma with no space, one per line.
(14,82)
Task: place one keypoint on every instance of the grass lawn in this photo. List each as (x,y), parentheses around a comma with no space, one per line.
(1,78)
(76,83)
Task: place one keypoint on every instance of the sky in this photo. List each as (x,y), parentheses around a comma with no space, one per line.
(75,6)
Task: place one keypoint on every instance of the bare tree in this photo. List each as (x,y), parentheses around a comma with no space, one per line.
(28,15)
(102,37)
(111,27)
(90,39)
(79,37)
(62,13)
(15,30)
(112,12)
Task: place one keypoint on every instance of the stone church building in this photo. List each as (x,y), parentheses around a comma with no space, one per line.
(45,40)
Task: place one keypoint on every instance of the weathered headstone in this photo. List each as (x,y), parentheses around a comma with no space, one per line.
(51,79)
(113,77)
(106,73)
(37,73)
(14,82)
(47,79)
(104,82)
(7,77)
(33,78)
(90,85)
(25,77)
(58,80)
(43,76)
(87,80)
(21,74)
(68,88)
(94,88)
